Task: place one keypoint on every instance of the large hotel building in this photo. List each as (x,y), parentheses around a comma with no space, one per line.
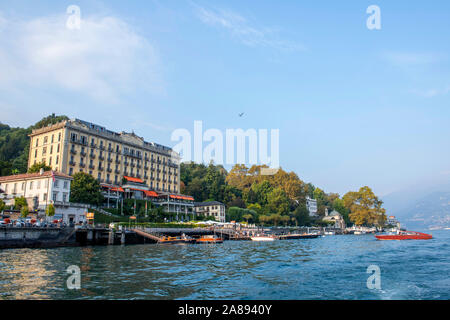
(120,161)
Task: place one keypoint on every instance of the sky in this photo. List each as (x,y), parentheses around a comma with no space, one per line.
(353,106)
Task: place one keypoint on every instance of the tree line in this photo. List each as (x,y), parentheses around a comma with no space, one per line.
(275,199)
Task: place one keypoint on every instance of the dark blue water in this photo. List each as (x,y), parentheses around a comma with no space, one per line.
(333,267)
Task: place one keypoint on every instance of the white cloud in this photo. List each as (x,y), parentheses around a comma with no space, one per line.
(105,59)
(241,29)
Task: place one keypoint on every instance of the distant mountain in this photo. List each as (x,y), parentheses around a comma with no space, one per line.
(429,210)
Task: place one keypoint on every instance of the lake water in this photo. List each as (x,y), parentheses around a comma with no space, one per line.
(332,267)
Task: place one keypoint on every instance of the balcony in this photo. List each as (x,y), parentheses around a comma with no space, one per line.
(102,147)
(92,155)
(132,165)
(72,163)
(100,157)
(92,167)
(101,168)
(117,160)
(110,160)
(73,151)
(108,181)
(117,171)
(109,170)
(138,166)
(110,149)
(125,173)
(146,168)
(83,153)
(126,163)
(93,145)
(82,165)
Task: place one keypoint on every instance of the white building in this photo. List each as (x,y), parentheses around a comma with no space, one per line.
(40,190)
(391,220)
(215,209)
(335,217)
(311,204)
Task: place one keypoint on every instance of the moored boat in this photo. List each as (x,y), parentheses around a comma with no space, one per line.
(172,240)
(298,236)
(405,235)
(209,239)
(262,238)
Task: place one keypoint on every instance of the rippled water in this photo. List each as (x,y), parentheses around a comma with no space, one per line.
(333,267)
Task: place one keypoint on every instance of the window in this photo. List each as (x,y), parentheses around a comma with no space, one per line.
(50,161)
(57,159)
(37,142)
(51,149)
(53,137)
(23,186)
(57,149)
(45,140)
(31,185)
(44,196)
(65,197)
(56,183)
(66,184)
(44,151)
(59,138)
(55,196)
(70,171)
(39,184)
(35,153)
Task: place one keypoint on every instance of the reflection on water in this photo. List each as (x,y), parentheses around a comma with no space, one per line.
(333,267)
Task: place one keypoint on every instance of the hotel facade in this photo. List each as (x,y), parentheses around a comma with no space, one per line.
(127,166)
(78,146)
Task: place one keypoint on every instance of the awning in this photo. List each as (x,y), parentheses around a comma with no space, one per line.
(113,188)
(180,197)
(151,194)
(131,179)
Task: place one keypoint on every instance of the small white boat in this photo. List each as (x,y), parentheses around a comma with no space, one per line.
(262,238)
(329,233)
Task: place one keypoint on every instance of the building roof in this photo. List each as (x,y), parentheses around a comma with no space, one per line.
(208,203)
(27,176)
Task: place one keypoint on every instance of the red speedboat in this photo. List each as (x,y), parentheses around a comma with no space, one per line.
(405,235)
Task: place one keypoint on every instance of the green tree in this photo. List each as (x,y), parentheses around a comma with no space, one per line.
(19,203)
(277,202)
(85,189)
(301,214)
(35,168)
(24,212)
(50,210)
(2,205)
(365,207)
(247,217)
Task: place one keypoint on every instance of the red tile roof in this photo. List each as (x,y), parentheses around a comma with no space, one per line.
(25,176)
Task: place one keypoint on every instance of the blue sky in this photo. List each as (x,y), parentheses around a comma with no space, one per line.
(354,106)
